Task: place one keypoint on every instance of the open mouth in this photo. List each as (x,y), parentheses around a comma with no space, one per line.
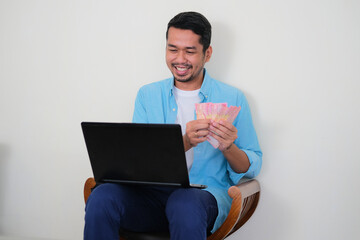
(182,69)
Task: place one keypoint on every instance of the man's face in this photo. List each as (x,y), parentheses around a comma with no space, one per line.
(185,57)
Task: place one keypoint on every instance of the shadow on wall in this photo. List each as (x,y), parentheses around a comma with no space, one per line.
(272,215)
(270,206)
(4,152)
(222,42)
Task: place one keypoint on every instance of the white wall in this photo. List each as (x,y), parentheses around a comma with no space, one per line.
(63,62)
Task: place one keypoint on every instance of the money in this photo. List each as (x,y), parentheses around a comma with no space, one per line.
(217,112)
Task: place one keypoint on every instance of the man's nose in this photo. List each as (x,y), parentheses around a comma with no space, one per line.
(181,57)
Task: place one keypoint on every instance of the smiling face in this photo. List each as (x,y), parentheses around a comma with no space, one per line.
(185,58)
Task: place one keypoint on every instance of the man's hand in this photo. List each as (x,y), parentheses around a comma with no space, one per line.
(196,132)
(224,132)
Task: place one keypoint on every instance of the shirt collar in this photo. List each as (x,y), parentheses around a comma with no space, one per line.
(204,90)
(206,86)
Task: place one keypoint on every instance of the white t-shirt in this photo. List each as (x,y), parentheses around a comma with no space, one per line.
(186,112)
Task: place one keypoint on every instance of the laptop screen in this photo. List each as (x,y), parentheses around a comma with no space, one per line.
(136,153)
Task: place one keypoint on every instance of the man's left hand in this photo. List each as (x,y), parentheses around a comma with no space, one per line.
(224,132)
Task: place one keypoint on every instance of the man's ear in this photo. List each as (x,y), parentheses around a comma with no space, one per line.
(208,54)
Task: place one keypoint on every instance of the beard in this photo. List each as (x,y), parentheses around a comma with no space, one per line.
(185,79)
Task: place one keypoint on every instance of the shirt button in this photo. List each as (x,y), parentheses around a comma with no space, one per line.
(174,109)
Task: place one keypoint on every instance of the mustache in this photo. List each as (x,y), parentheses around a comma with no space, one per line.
(182,64)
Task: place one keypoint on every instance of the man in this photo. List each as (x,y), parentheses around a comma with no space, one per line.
(186,213)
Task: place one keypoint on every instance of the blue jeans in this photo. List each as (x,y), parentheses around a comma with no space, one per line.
(188,213)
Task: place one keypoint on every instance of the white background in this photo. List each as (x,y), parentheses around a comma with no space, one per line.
(298,62)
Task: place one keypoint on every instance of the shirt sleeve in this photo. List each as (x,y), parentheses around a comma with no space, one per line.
(246,141)
(139,115)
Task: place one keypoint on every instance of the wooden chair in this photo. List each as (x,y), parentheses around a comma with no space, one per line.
(245,197)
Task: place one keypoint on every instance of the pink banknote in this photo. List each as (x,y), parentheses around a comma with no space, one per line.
(216,112)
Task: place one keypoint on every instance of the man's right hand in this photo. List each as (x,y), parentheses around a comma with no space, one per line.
(196,132)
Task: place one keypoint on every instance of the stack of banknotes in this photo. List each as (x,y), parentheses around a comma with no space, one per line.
(217,112)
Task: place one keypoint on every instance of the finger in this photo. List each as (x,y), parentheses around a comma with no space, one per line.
(203,121)
(198,140)
(202,127)
(227,125)
(218,136)
(228,129)
(199,122)
(196,125)
(221,140)
(202,133)
(219,130)
(199,134)
(223,136)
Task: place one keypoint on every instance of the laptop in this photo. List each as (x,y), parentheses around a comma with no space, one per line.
(133,153)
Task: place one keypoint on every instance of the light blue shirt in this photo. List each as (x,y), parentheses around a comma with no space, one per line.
(155,103)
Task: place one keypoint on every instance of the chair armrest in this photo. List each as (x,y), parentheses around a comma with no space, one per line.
(250,190)
(245,196)
(247,187)
(89,185)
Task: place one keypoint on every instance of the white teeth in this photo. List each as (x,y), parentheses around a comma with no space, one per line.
(181,68)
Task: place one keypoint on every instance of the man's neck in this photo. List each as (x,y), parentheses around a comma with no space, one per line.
(194,84)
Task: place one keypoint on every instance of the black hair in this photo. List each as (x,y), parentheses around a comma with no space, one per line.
(195,22)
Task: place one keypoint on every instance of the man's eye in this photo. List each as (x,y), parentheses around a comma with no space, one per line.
(172,50)
(189,52)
